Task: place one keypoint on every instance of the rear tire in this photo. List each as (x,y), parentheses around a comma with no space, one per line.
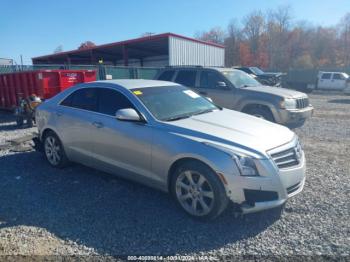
(198,190)
(54,151)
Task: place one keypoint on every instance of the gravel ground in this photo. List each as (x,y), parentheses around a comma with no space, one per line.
(80,211)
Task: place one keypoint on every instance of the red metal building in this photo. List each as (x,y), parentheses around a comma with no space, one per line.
(155,50)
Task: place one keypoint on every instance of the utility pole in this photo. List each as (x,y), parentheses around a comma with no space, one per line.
(21,63)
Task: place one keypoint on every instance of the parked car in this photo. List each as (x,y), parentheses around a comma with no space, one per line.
(169,137)
(266,78)
(234,89)
(332,81)
(307,80)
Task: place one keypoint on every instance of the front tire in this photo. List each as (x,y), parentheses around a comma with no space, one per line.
(30,121)
(54,151)
(261,112)
(19,121)
(198,190)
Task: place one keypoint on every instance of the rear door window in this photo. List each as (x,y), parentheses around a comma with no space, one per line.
(166,75)
(209,79)
(337,77)
(110,101)
(326,76)
(186,78)
(67,101)
(85,98)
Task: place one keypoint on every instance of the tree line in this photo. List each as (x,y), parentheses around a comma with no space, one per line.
(274,40)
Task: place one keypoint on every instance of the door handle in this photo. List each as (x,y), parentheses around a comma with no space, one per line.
(203,93)
(98,124)
(59,114)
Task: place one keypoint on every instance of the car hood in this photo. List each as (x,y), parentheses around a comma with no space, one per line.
(230,128)
(278,91)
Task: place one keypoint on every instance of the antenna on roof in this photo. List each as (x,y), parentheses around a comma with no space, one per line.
(147,34)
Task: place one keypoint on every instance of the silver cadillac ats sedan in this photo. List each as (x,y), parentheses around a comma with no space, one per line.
(169,137)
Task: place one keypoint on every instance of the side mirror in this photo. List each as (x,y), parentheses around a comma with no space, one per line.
(221,85)
(128,114)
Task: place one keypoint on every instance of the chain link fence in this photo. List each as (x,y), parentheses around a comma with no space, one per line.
(103,71)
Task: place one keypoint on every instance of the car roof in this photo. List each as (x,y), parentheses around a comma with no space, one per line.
(219,69)
(328,72)
(198,68)
(137,83)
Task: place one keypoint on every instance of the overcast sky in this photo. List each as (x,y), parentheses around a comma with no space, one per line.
(36,27)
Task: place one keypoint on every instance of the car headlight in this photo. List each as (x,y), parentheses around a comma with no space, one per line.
(246,165)
(289,103)
(299,148)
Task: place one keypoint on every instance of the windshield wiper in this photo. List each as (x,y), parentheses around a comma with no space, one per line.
(174,118)
(203,112)
(244,86)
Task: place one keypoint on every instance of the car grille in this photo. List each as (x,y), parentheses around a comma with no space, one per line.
(302,102)
(287,158)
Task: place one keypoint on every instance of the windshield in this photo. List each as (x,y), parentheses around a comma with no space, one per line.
(240,79)
(257,70)
(172,103)
(345,75)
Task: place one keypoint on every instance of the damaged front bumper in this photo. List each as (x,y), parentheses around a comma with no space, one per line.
(272,188)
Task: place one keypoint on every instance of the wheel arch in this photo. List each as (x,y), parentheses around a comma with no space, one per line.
(63,161)
(46,130)
(246,107)
(183,160)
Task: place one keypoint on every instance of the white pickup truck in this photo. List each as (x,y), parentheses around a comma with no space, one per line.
(333,81)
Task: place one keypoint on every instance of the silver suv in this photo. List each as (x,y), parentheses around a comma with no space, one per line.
(234,89)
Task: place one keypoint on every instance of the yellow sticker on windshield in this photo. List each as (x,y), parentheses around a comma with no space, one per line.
(137,92)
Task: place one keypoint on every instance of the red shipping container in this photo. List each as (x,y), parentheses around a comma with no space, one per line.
(43,83)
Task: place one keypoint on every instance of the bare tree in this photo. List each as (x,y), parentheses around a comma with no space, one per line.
(324,46)
(254,25)
(86,45)
(277,28)
(300,45)
(232,43)
(274,40)
(214,35)
(282,18)
(344,26)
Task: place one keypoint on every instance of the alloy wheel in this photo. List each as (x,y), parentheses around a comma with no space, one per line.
(52,150)
(194,193)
